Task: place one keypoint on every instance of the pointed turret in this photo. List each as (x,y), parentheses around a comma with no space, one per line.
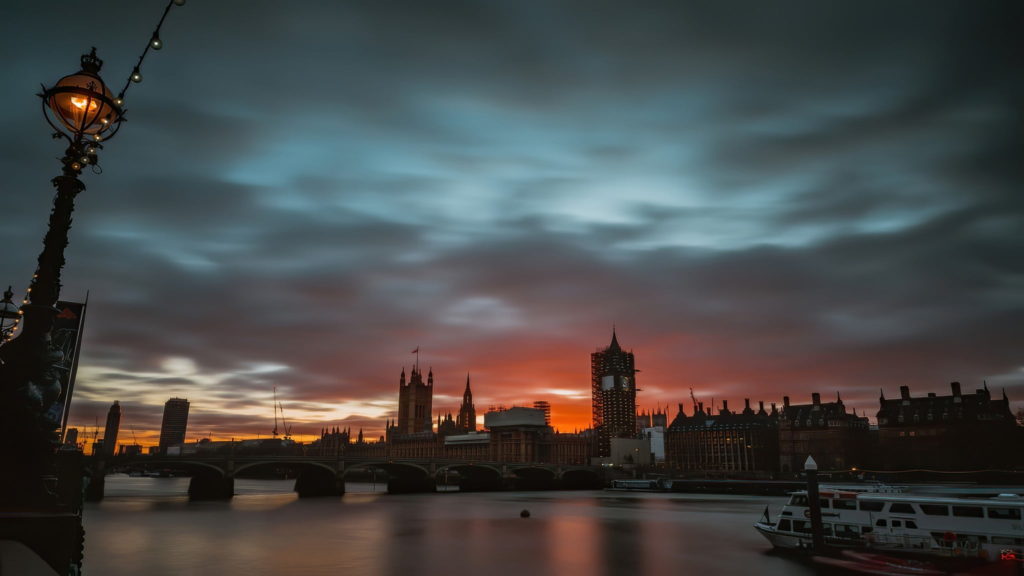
(615,341)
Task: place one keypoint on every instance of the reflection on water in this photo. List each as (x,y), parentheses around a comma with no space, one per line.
(147,526)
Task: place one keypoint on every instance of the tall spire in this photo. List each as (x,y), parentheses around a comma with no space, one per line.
(615,341)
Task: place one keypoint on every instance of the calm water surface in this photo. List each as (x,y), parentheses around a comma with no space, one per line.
(148,526)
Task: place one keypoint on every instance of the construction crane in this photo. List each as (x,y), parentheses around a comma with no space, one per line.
(274,431)
(284,423)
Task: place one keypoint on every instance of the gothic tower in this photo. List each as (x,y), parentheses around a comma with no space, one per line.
(613,383)
(467,412)
(414,402)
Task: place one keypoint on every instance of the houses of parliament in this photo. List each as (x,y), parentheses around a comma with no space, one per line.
(957,431)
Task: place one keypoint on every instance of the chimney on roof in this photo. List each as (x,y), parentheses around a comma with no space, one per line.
(725,406)
(956,388)
(905,392)
(785,401)
(816,399)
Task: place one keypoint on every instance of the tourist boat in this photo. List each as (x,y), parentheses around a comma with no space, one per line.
(985,528)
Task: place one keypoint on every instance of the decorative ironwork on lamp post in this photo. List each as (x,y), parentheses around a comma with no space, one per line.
(84,112)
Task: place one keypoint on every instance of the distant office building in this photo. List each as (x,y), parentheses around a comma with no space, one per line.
(613,386)
(955,432)
(466,421)
(172,429)
(111,430)
(414,403)
(837,439)
(71,437)
(129,450)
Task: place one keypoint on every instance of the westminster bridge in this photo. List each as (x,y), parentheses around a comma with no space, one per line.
(213,475)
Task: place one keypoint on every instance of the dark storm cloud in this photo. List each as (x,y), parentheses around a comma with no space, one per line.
(765,199)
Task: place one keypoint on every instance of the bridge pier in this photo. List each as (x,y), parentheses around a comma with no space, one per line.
(207,486)
(97,481)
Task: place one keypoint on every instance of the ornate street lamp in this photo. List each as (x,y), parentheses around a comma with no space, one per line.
(83,111)
(10,315)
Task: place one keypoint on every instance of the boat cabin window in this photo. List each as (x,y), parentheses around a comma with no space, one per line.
(968,511)
(935,509)
(798,500)
(901,508)
(897,524)
(1004,513)
(784,525)
(844,504)
(846,531)
(801,526)
(824,503)
(871,505)
(881,523)
(910,524)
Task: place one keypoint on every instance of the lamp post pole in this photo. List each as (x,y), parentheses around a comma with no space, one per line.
(84,112)
(30,382)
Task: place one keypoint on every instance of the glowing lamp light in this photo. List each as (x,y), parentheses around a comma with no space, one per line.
(81,103)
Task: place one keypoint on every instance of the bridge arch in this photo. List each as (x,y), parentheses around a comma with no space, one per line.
(402,477)
(533,478)
(474,477)
(581,479)
(313,478)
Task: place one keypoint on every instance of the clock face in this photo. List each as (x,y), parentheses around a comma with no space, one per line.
(607,382)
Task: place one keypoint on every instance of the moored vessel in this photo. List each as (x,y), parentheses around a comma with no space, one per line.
(982,528)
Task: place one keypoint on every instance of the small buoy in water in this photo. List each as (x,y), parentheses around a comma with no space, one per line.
(525,513)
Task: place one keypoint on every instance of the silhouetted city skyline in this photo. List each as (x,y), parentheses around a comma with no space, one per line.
(798,199)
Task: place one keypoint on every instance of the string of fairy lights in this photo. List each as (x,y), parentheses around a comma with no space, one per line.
(7,312)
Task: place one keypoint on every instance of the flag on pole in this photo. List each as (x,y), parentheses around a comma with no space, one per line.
(416,351)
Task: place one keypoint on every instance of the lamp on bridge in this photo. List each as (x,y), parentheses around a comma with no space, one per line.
(83,111)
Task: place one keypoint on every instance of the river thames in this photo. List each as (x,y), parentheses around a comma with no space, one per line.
(148,526)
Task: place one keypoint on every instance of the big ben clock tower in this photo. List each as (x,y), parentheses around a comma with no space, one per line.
(613,382)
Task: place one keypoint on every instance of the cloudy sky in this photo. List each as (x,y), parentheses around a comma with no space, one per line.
(763,198)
